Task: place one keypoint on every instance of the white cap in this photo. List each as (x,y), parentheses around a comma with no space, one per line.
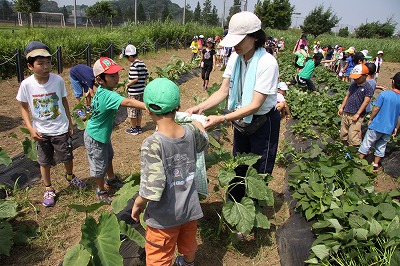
(380,52)
(130,50)
(201,36)
(240,25)
(283,86)
(365,52)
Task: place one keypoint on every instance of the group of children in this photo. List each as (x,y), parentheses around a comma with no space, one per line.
(168,156)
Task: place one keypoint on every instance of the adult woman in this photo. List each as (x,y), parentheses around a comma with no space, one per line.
(250,83)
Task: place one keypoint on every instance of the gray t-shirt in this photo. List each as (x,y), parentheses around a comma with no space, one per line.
(166,178)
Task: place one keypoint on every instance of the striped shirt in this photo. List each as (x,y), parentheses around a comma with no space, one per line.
(137,70)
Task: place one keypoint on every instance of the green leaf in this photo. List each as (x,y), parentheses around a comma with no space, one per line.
(327,171)
(241,214)
(80,124)
(247,158)
(6,239)
(261,220)
(77,255)
(132,233)
(225,177)
(4,158)
(321,251)
(339,213)
(360,233)
(102,239)
(123,195)
(393,225)
(348,207)
(309,213)
(394,193)
(374,227)
(358,177)
(213,141)
(312,261)
(395,259)
(30,149)
(295,171)
(367,210)
(87,209)
(335,223)
(8,208)
(387,210)
(255,185)
(24,232)
(356,221)
(25,130)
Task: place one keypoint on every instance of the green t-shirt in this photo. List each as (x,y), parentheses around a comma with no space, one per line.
(105,104)
(308,69)
(301,56)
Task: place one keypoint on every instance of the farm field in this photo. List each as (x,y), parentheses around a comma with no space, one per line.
(60,226)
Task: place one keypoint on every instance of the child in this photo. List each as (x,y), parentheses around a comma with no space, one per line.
(370,79)
(194,46)
(166,180)
(200,41)
(353,106)
(348,67)
(208,61)
(281,104)
(304,77)
(44,94)
(378,63)
(301,56)
(97,136)
(138,75)
(384,121)
(82,82)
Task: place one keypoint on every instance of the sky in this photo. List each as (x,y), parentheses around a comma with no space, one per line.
(368,11)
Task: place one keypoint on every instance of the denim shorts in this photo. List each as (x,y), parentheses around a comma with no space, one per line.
(376,139)
(54,149)
(99,154)
(78,87)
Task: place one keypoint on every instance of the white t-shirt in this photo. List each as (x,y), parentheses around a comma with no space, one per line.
(45,104)
(280,98)
(266,78)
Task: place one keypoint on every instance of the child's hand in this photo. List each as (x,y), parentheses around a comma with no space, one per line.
(394,132)
(339,113)
(355,117)
(35,134)
(136,210)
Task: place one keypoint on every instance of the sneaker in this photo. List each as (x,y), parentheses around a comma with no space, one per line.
(376,167)
(132,131)
(179,261)
(80,112)
(139,129)
(103,196)
(76,182)
(114,183)
(49,196)
(88,109)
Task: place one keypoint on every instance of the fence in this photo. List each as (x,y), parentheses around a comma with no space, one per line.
(16,61)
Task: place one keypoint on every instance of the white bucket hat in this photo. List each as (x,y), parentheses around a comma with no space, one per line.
(240,25)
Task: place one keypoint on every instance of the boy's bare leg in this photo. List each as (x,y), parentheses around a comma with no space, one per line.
(45,172)
(139,121)
(377,160)
(99,184)
(69,167)
(133,122)
(189,258)
(110,172)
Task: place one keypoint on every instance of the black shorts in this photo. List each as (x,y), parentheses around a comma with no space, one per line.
(54,149)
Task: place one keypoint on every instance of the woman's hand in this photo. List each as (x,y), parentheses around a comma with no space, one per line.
(213,120)
(194,110)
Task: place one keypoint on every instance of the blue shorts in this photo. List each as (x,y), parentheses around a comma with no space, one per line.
(78,87)
(99,154)
(376,139)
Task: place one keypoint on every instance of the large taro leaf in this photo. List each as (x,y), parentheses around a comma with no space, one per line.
(225,177)
(30,149)
(358,177)
(240,214)
(102,240)
(4,157)
(24,232)
(255,185)
(6,238)
(77,255)
(124,194)
(132,233)
(8,208)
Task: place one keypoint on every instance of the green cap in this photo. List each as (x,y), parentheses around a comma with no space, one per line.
(161,96)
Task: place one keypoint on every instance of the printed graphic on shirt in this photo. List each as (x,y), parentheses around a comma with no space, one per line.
(46,106)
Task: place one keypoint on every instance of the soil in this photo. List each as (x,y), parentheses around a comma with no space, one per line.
(60,226)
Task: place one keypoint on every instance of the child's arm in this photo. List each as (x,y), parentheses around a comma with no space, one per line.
(396,128)
(131,82)
(24,107)
(138,207)
(341,108)
(133,103)
(67,112)
(366,101)
(286,110)
(214,62)
(375,110)
(345,67)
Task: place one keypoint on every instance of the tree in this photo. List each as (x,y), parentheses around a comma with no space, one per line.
(27,6)
(165,15)
(319,21)
(206,13)
(276,14)
(344,32)
(65,12)
(236,8)
(6,10)
(129,13)
(197,13)
(102,11)
(188,13)
(141,14)
(49,6)
(376,29)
